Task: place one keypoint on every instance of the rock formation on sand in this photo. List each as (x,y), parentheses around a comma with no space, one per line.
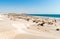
(22,26)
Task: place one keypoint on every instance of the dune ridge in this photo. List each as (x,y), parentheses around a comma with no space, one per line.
(21,26)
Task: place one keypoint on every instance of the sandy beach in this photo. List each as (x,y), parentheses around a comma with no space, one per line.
(20,26)
(27,36)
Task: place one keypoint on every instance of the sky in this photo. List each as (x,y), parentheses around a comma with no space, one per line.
(30,6)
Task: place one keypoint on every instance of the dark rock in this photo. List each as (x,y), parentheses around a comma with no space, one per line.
(42,24)
(57,29)
(34,21)
(27,19)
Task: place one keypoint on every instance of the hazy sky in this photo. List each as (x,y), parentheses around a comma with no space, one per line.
(30,6)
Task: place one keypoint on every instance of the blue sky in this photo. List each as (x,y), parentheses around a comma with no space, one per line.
(30,6)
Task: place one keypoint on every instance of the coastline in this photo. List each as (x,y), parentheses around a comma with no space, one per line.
(23,25)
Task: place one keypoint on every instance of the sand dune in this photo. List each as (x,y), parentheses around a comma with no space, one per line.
(28,27)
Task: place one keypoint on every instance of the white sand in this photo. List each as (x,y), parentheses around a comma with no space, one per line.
(10,29)
(29,36)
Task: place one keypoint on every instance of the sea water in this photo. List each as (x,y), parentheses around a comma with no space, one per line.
(46,15)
